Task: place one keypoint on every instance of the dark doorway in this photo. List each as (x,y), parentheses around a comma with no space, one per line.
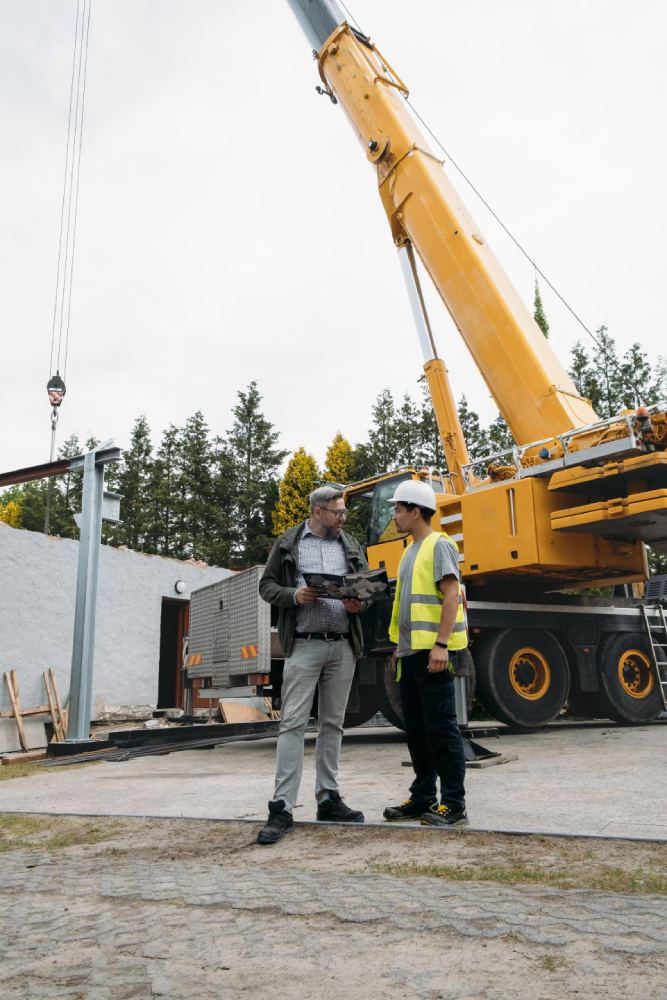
(173,627)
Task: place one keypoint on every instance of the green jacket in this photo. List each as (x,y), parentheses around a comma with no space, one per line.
(278,584)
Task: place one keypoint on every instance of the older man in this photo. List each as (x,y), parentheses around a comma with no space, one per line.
(321,638)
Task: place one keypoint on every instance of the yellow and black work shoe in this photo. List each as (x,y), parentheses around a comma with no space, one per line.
(408,810)
(444,816)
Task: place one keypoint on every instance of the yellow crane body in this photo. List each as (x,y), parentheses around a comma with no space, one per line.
(513,522)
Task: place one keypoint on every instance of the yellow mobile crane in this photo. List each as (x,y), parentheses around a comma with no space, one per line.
(575,501)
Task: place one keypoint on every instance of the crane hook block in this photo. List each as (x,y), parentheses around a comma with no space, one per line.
(56,389)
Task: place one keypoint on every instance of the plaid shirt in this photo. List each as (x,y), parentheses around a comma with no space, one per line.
(320,555)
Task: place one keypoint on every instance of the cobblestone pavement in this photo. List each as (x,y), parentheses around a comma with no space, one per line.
(104,930)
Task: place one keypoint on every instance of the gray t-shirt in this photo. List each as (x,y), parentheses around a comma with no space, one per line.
(445,563)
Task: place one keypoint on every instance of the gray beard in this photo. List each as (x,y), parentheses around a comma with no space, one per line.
(332,532)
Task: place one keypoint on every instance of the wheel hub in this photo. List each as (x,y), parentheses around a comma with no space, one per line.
(530,674)
(635,673)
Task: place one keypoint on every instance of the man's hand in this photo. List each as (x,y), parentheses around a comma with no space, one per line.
(394,661)
(306,595)
(353,606)
(438,660)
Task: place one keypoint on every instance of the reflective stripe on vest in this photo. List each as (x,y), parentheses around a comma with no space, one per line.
(426,601)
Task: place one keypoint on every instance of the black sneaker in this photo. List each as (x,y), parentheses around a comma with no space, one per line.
(408,810)
(444,816)
(278,824)
(334,810)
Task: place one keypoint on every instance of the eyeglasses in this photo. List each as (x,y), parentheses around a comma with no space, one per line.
(340,514)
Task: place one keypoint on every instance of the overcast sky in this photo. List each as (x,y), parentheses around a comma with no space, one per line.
(229,223)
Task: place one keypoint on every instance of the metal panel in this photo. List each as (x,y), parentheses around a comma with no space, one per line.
(230,627)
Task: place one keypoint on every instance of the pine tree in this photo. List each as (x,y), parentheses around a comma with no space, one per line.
(339,461)
(300,479)
(408,434)
(133,481)
(162,494)
(499,435)
(432,454)
(194,500)
(382,442)
(255,457)
(612,384)
(219,543)
(538,311)
(476,439)
(67,493)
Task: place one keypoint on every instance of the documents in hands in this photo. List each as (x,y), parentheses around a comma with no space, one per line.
(369,585)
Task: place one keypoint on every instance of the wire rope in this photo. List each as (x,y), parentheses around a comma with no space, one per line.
(76,194)
(70,195)
(62,205)
(599,344)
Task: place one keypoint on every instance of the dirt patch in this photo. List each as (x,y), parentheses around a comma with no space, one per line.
(577,863)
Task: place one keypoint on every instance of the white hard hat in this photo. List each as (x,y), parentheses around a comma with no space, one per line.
(414,491)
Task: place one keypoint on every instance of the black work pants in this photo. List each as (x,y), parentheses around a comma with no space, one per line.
(434,738)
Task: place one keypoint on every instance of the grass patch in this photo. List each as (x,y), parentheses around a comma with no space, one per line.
(18,832)
(604,878)
(9,771)
(552,962)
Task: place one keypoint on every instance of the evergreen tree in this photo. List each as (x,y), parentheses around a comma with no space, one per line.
(476,439)
(161,513)
(612,384)
(255,457)
(66,493)
(300,479)
(339,461)
(382,438)
(218,546)
(432,454)
(499,435)
(408,433)
(194,502)
(133,481)
(538,311)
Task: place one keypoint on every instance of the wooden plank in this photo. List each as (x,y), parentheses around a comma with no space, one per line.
(52,707)
(23,757)
(63,713)
(39,710)
(51,688)
(232,712)
(12,688)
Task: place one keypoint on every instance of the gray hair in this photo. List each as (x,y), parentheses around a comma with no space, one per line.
(322,495)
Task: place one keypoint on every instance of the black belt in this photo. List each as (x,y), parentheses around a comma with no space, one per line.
(327,636)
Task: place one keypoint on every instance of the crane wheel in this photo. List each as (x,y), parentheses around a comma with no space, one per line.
(388,688)
(389,699)
(627,679)
(523,677)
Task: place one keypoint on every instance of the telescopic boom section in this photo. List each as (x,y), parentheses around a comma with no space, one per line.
(533,392)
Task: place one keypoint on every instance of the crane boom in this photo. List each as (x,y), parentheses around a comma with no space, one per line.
(533,392)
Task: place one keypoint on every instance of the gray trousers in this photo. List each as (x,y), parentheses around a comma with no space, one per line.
(329,667)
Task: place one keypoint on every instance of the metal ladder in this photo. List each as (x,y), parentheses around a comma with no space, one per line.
(657,637)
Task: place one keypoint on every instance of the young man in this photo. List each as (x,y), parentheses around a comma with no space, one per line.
(428,627)
(321,639)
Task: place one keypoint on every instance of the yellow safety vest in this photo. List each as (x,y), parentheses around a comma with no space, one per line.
(426,601)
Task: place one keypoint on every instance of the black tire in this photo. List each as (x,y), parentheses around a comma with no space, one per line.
(365,706)
(523,677)
(627,679)
(470,673)
(389,699)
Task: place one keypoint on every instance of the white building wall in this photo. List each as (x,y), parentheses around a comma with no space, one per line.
(37,594)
